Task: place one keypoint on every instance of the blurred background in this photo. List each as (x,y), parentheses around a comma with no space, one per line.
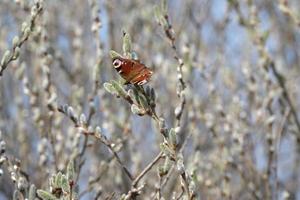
(240,130)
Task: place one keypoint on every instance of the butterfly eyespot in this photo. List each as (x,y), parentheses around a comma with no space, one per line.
(117,63)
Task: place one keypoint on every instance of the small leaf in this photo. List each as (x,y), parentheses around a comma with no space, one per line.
(157,13)
(26,32)
(52,181)
(65,184)
(172,138)
(16,53)
(120,90)
(131,94)
(46,195)
(164,23)
(114,54)
(32,192)
(136,110)
(136,96)
(16,41)
(109,88)
(58,179)
(71,171)
(126,44)
(24,26)
(5,58)
(165,149)
(164,7)
(144,102)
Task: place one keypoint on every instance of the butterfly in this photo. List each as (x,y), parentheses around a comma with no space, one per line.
(132,71)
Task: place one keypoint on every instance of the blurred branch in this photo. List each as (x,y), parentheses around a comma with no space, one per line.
(277,143)
(286,10)
(163,20)
(81,126)
(148,168)
(18,41)
(134,191)
(268,63)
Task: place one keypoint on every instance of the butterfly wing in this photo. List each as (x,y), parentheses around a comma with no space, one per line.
(142,78)
(132,71)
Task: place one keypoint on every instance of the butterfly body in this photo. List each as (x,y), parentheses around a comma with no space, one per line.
(132,71)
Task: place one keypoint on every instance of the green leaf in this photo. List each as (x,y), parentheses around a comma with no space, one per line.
(144,102)
(136,96)
(71,171)
(164,23)
(65,184)
(172,138)
(136,110)
(16,53)
(16,41)
(126,44)
(52,181)
(143,96)
(164,169)
(5,58)
(114,54)
(157,13)
(109,88)
(131,94)
(165,149)
(46,195)
(58,179)
(32,192)
(120,90)
(164,7)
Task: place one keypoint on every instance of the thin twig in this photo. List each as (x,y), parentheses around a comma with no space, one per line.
(286,96)
(24,37)
(148,168)
(134,188)
(102,139)
(169,32)
(277,148)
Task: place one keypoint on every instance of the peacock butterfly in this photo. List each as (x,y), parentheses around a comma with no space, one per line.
(132,71)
